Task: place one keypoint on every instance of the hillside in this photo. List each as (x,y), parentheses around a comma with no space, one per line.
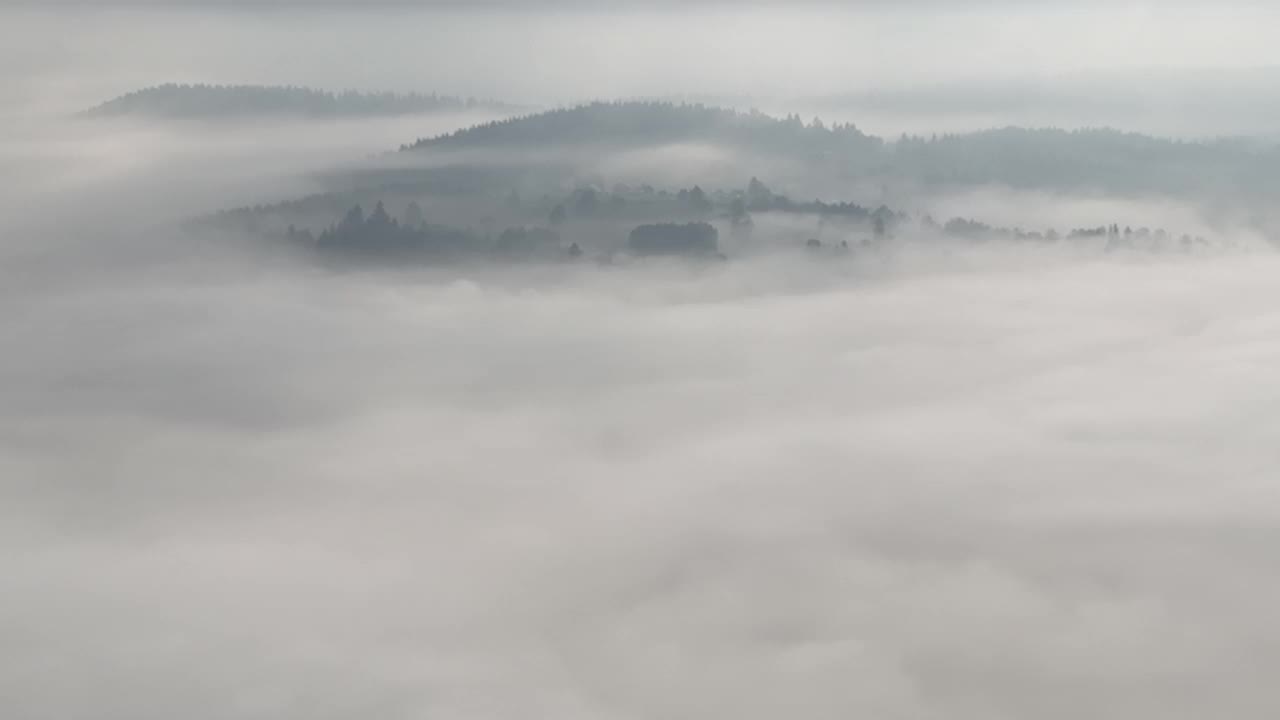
(220,101)
(1052,159)
(643,123)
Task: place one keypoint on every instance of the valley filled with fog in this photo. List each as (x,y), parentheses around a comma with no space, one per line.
(523,369)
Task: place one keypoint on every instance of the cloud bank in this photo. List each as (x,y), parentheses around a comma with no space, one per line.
(990,484)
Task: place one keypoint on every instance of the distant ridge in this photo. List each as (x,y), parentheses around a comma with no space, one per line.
(198,101)
(1098,159)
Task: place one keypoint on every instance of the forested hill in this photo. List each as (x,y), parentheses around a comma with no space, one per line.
(222,101)
(1053,159)
(644,123)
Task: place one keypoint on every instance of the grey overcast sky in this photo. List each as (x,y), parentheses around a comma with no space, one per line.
(556,51)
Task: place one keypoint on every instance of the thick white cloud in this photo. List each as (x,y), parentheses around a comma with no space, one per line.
(991,484)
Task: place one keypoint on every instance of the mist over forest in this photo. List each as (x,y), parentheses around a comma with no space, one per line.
(622,360)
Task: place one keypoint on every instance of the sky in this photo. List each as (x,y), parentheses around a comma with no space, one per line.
(556,53)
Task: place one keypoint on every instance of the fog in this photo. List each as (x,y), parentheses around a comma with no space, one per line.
(926,477)
(994,484)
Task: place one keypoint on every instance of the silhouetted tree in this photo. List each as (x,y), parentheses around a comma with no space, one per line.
(698,200)
(759,197)
(379,216)
(379,237)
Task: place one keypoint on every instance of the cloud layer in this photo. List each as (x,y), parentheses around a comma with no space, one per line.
(989,485)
